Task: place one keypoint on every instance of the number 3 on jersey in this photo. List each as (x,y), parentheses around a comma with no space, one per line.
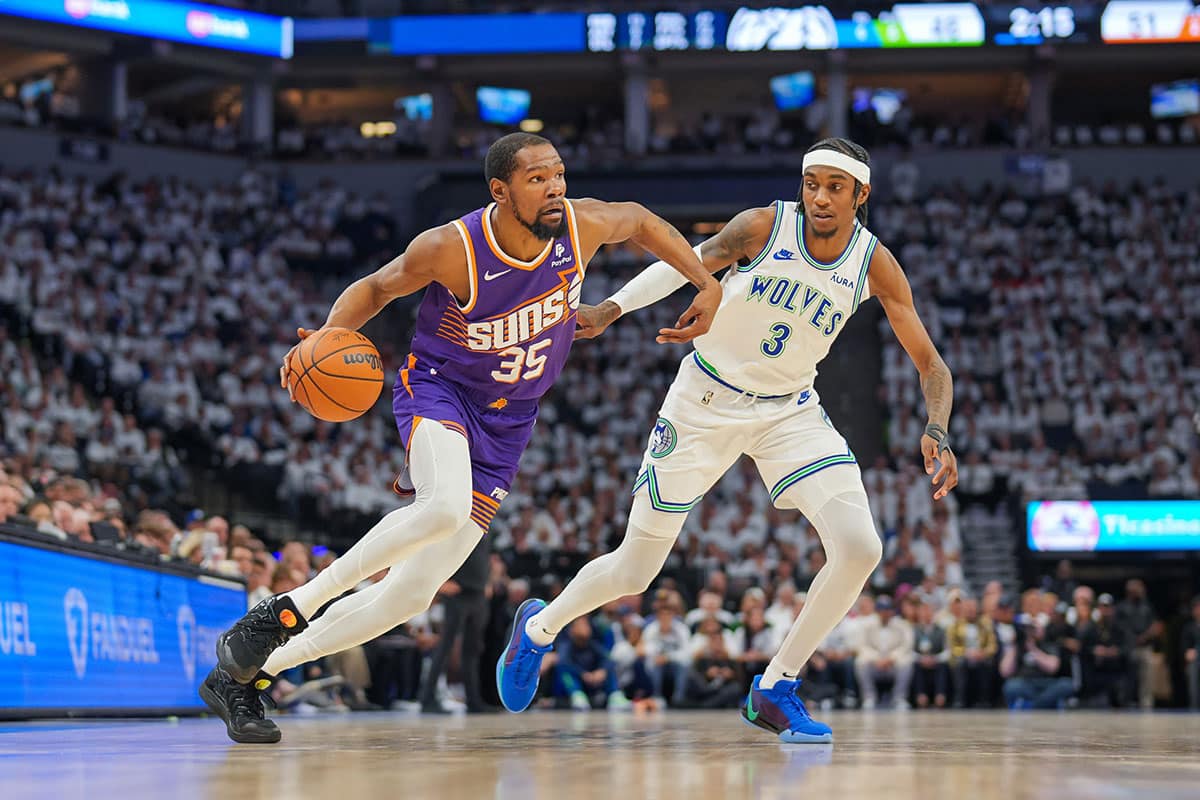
(772,347)
(519,358)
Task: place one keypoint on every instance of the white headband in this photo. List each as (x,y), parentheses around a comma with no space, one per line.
(832,158)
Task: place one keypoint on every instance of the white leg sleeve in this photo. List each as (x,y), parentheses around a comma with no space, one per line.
(852,548)
(407,590)
(440,465)
(627,570)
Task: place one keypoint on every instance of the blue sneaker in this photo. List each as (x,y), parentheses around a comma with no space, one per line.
(518,668)
(781,711)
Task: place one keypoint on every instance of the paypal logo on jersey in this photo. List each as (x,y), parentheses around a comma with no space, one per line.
(561,256)
(799,299)
(785,255)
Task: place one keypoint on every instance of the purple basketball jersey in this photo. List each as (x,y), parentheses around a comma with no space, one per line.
(510,341)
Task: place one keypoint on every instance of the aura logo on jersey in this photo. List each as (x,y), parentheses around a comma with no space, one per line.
(662,439)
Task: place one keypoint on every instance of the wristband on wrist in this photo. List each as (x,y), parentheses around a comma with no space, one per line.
(939,435)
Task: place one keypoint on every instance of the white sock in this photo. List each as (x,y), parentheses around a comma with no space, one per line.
(540,636)
(775,673)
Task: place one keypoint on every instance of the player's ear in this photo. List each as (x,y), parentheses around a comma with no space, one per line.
(864,193)
(499,190)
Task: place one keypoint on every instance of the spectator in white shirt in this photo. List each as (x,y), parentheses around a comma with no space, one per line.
(885,655)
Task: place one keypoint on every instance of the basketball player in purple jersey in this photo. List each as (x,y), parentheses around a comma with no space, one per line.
(493,332)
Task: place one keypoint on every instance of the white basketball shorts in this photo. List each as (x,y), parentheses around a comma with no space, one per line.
(703,427)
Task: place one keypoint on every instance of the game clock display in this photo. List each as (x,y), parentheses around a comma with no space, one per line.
(1033,24)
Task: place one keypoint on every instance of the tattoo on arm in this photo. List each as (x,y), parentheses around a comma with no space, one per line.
(938,388)
(731,243)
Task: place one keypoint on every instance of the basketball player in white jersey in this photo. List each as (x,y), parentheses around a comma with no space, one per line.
(799,271)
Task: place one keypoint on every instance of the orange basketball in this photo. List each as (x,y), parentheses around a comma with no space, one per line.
(336,374)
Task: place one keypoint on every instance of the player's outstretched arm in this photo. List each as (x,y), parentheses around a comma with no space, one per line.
(742,238)
(608,223)
(891,286)
(421,263)
(436,254)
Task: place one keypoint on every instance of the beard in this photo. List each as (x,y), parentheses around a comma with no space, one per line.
(544,231)
(829,234)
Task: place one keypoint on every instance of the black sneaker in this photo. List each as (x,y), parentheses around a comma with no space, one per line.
(240,706)
(243,649)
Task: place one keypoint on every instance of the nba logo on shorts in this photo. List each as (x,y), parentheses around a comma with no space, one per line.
(662,439)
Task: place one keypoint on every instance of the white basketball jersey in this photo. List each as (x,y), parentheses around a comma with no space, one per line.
(781,312)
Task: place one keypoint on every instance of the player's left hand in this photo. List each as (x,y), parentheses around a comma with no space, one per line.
(946,477)
(591,321)
(697,319)
(301,333)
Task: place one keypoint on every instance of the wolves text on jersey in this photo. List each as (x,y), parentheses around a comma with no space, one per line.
(798,298)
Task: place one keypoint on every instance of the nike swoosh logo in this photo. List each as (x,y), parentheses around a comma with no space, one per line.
(751,714)
(488,276)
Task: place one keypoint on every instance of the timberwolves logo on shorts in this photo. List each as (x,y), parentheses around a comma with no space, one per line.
(662,439)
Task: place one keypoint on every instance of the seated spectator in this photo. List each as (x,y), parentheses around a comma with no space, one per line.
(931,673)
(972,643)
(885,655)
(584,675)
(757,642)
(10,503)
(716,679)
(709,605)
(667,654)
(628,657)
(1105,654)
(833,662)
(1031,668)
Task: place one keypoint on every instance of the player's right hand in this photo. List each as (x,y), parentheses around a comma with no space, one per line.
(302,333)
(591,321)
(697,319)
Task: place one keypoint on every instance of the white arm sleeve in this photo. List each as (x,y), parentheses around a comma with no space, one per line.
(649,286)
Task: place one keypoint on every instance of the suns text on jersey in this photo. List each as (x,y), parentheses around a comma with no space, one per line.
(527,322)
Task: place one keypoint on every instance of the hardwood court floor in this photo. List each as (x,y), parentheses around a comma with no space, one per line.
(694,756)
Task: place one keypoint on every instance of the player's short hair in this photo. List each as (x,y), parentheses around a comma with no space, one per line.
(846,148)
(501,160)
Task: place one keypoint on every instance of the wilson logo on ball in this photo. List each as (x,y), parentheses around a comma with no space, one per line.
(361,358)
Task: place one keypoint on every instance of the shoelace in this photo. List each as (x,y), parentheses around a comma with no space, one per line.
(525,664)
(264,630)
(248,701)
(792,704)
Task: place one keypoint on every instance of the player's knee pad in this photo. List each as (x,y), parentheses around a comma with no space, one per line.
(440,464)
(847,529)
